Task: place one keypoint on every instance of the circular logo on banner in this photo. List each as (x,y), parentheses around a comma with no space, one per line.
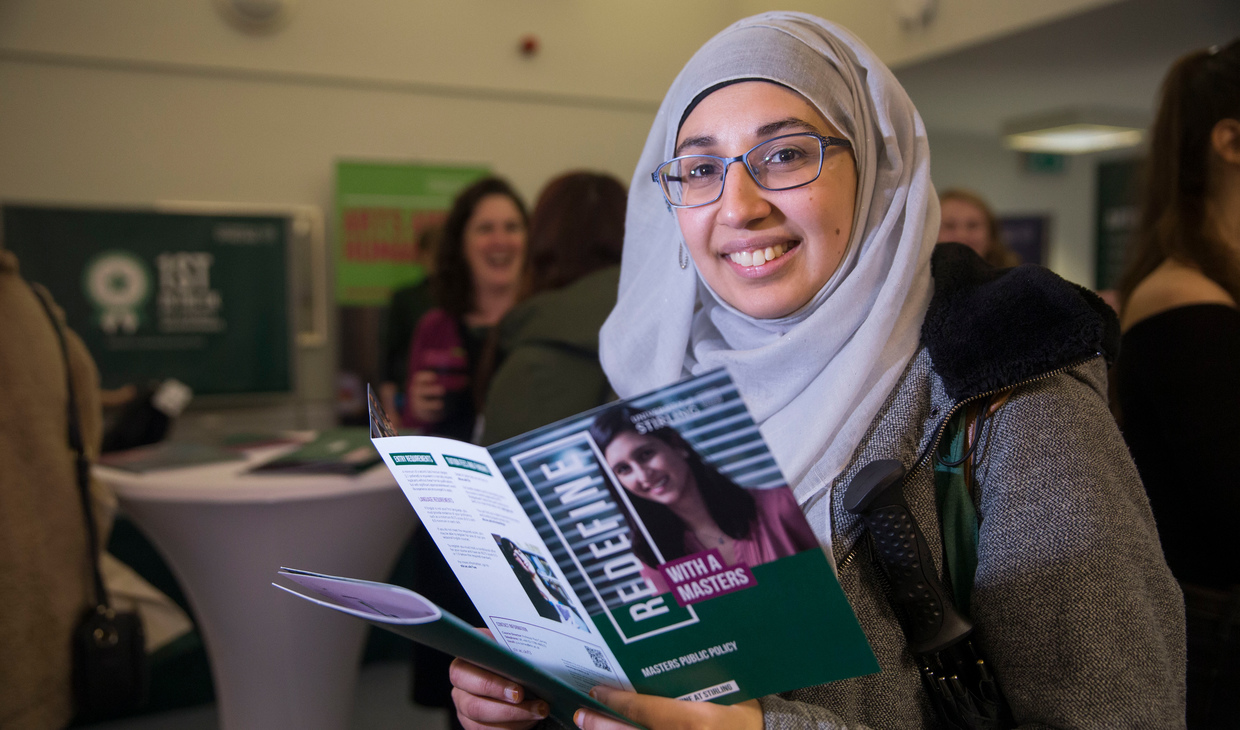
(117,284)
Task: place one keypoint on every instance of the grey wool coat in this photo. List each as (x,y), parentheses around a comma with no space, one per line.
(1073,604)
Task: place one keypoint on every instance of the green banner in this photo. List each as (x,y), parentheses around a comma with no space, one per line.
(381,208)
(199,298)
(1115,219)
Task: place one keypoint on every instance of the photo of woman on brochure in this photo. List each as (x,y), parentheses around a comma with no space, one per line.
(688,506)
(544,592)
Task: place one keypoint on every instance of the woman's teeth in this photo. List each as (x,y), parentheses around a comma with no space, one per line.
(759,257)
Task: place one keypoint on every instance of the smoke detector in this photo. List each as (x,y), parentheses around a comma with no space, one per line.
(256,16)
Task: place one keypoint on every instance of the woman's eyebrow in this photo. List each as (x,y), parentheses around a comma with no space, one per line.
(771,128)
(766,130)
(700,141)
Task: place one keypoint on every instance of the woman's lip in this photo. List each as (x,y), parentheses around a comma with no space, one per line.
(658,486)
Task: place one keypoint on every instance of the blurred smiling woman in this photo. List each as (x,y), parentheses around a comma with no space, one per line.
(782,225)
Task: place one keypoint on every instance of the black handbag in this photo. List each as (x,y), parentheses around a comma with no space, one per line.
(110,676)
(110,673)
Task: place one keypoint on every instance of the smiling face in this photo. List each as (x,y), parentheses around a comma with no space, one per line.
(495,242)
(802,233)
(964,223)
(649,467)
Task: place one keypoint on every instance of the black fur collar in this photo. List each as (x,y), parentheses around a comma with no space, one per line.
(990,328)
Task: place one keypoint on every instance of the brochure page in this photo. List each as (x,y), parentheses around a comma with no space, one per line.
(500,558)
(650,544)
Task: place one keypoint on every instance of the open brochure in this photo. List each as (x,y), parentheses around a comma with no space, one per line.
(650,544)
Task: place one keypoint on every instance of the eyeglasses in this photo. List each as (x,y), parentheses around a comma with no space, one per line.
(782,163)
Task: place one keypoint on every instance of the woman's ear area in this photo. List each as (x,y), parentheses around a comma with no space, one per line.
(1225,140)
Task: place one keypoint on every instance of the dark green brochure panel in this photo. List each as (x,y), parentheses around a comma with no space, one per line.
(200,298)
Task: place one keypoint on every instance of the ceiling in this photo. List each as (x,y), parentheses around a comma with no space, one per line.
(1114,56)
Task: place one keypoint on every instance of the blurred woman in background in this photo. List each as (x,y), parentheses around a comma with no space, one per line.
(477,274)
(478,264)
(968,219)
(1178,394)
(545,352)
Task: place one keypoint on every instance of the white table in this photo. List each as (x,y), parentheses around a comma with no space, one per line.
(277,661)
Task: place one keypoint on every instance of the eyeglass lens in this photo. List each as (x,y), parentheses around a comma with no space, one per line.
(777,164)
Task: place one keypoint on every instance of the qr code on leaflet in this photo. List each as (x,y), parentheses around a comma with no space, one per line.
(600,661)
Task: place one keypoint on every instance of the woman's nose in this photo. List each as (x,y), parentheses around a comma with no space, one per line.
(742,201)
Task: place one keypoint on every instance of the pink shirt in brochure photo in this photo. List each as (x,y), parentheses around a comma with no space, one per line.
(778,530)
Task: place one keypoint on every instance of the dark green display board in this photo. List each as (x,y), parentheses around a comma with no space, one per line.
(1116,219)
(200,298)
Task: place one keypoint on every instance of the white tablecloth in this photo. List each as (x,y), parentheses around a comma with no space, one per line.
(277,661)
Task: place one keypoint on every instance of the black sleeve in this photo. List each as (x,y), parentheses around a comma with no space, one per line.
(1179,394)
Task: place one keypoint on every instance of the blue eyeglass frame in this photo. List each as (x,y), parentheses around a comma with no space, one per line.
(823,144)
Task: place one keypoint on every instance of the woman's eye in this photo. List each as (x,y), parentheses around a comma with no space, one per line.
(784,156)
(620,469)
(706,171)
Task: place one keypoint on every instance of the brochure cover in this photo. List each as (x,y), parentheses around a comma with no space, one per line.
(344,450)
(650,544)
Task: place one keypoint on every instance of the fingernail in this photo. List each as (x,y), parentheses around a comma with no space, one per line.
(542,709)
(577,720)
(594,692)
(512,693)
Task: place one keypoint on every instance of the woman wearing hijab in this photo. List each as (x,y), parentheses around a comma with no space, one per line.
(853,339)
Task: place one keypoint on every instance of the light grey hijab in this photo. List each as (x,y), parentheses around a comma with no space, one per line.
(813,380)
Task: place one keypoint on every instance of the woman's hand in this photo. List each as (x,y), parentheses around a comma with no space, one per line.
(487,700)
(426,397)
(662,713)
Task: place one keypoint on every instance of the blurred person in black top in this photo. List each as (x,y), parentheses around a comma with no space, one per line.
(1177,387)
(478,261)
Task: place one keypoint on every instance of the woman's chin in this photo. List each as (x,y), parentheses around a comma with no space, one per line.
(766,304)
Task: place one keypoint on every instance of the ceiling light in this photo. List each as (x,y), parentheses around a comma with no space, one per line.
(1075,131)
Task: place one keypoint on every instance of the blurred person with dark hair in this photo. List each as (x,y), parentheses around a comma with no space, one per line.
(547,346)
(1178,395)
(967,218)
(478,267)
(406,308)
(478,264)
(44,550)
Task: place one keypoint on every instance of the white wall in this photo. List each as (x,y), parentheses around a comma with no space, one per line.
(127,102)
(982,164)
(83,135)
(616,50)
